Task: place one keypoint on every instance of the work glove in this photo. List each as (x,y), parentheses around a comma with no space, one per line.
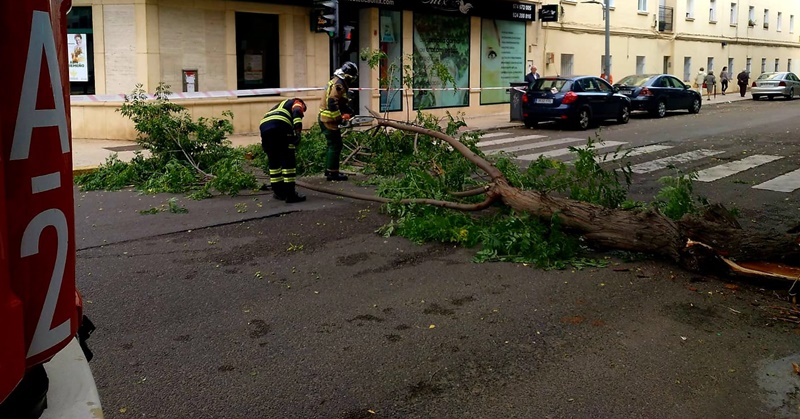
(294,138)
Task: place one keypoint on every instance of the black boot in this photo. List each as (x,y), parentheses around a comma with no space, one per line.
(278,191)
(291,194)
(334,176)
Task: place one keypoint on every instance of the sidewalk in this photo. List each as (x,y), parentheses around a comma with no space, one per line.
(88,154)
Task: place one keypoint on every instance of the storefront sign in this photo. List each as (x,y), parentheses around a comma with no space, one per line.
(549,13)
(507,10)
(78,64)
(502,58)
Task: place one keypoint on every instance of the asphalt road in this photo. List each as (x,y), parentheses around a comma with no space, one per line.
(250,308)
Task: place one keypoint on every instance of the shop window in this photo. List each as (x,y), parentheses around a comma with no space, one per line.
(257,52)
(391,68)
(80,51)
(502,58)
(441,59)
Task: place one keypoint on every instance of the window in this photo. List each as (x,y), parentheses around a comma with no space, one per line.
(791,23)
(80,45)
(751,16)
(603,86)
(789,65)
(502,49)
(712,11)
(687,68)
(639,64)
(763,65)
(780,22)
(749,65)
(710,64)
(777,64)
(734,13)
(566,64)
(643,5)
(610,4)
(730,66)
(689,9)
(391,67)
(766,18)
(257,59)
(444,40)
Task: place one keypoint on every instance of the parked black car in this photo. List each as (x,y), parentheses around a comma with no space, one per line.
(659,93)
(575,99)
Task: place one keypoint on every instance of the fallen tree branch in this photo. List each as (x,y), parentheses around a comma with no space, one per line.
(471,192)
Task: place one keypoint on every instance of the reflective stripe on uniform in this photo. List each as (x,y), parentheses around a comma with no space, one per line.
(279,114)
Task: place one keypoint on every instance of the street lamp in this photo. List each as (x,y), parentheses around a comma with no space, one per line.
(607,58)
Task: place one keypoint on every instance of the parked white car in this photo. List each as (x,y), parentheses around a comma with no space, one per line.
(770,85)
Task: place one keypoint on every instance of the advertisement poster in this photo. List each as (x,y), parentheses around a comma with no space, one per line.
(391,67)
(502,58)
(441,59)
(78,64)
(253,68)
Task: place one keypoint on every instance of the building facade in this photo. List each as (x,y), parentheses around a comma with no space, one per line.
(217,53)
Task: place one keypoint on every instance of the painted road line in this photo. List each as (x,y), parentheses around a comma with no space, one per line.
(494,134)
(536,145)
(566,151)
(632,152)
(727,169)
(789,182)
(659,164)
(509,140)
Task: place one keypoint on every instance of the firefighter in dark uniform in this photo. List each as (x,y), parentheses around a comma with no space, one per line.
(280,135)
(334,109)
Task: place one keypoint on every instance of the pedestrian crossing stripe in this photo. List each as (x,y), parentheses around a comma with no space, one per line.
(542,144)
(495,134)
(728,169)
(509,140)
(632,152)
(789,182)
(566,151)
(665,162)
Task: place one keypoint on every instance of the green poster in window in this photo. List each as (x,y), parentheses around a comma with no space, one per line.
(502,58)
(441,40)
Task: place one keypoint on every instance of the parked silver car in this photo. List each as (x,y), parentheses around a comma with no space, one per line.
(783,83)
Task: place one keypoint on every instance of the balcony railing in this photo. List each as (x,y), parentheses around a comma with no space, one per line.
(665,18)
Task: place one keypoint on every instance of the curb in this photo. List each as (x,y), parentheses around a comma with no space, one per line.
(77,171)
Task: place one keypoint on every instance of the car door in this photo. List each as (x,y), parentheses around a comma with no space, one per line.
(609,103)
(681,96)
(591,95)
(794,81)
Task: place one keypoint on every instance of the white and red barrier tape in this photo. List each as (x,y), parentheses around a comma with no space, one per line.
(261,92)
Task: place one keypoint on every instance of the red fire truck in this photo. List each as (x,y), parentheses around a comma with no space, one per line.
(43,355)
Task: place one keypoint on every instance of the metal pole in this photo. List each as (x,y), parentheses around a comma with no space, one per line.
(607,70)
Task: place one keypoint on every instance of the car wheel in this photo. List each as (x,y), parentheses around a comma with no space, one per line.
(583,119)
(695,107)
(756,97)
(530,123)
(790,96)
(624,114)
(660,110)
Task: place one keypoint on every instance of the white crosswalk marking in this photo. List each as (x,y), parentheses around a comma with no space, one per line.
(659,164)
(565,151)
(727,169)
(638,151)
(537,145)
(494,134)
(509,140)
(786,183)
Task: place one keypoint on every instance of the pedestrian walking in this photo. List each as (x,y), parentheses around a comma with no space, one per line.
(335,108)
(532,76)
(280,135)
(725,78)
(710,84)
(699,79)
(742,79)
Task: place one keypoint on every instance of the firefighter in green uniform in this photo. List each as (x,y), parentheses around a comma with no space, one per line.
(280,135)
(334,109)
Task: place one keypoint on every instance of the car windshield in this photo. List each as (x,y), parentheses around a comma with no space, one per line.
(546,85)
(771,76)
(636,81)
